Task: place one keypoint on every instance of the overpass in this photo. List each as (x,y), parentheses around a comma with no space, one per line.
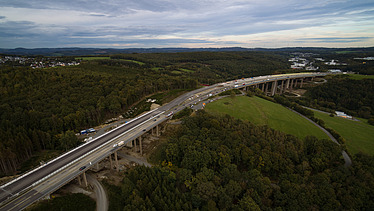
(44,180)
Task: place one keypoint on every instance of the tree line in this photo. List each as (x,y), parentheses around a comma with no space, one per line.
(41,109)
(354,97)
(221,163)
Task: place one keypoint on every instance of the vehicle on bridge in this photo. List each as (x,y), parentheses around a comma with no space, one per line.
(170,114)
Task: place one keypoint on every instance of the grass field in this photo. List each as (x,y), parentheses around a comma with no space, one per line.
(359,136)
(360,77)
(186,70)
(137,62)
(263,112)
(176,72)
(93,57)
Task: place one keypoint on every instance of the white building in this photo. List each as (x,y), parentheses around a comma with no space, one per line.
(342,114)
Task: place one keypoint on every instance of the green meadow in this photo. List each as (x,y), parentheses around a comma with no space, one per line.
(93,57)
(359,135)
(262,112)
(360,77)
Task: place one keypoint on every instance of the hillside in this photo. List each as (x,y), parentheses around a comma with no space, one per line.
(216,162)
(41,109)
(359,136)
(262,112)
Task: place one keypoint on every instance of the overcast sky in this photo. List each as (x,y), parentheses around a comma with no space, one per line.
(186,23)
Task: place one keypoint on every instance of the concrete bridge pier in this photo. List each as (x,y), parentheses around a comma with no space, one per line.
(274,88)
(116,159)
(140,145)
(130,144)
(95,167)
(288,84)
(157,131)
(281,88)
(111,162)
(296,83)
(301,83)
(266,88)
(79,180)
(291,84)
(262,87)
(134,149)
(85,179)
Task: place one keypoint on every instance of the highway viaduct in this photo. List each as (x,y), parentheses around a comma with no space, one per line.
(44,180)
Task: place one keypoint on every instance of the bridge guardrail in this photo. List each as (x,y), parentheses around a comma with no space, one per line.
(66,153)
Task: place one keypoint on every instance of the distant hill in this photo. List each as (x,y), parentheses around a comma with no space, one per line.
(106,51)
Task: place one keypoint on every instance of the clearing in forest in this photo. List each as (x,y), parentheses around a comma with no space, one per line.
(263,112)
(359,135)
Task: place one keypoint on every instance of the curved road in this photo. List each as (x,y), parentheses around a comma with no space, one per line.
(101,197)
(347,159)
(26,189)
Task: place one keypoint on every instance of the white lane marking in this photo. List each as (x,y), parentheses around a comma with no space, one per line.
(63,155)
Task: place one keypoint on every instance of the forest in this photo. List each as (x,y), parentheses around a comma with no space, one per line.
(42,109)
(354,97)
(220,163)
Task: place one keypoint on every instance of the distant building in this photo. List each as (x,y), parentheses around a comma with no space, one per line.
(335,71)
(333,62)
(342,114)
(366,58)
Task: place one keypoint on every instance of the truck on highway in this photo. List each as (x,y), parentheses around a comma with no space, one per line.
(91,130)
(121,143)
(170,114)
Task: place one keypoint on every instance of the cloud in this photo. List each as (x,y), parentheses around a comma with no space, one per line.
(336,39)
(67,22)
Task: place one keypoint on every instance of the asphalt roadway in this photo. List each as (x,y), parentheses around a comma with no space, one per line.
(28,188)
(11,191)
(101,197)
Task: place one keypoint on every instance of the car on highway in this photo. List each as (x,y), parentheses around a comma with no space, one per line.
(82,168)
(144,129)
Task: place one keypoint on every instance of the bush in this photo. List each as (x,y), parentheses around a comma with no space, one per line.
(183,113)
(371,121)
(76,201)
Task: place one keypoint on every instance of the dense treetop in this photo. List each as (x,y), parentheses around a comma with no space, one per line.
(218,162)
(43,108)
(355,97)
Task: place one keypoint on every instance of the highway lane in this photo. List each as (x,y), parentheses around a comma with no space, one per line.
(30,179)
(347,159)
(65,176)
(68,174)
(53,166)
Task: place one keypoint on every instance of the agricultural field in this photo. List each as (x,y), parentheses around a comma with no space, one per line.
(92,58)
(262,112)
(359,135)
(137,62)
(360,77)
